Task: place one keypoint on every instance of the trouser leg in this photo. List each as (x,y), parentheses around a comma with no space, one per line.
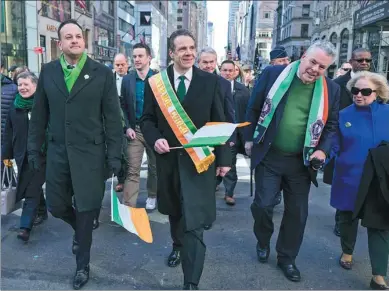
(193,256)
(84,232)
(348,231)
(135,152)
(296,185)
(378,241)
(124,162)
(267,185)
(152,169)
(176,232)
(231,178)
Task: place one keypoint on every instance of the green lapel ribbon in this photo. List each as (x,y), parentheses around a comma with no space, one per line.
(23,103)
(71,75)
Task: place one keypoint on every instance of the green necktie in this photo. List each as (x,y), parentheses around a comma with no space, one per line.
(181,90)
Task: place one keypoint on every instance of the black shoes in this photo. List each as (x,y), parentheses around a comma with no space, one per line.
(174,259)
(290,271)
(263,254)
(207,226)
(75,245)
(81,278)
(39,219)
(190,286)
(24,234)
(96,223)
(375,286)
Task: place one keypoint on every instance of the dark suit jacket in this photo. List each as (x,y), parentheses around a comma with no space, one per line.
(129,97)
(241,96)
(229,108)
(261,89)
(372,203)
(346,99)
(176,172)
(84,132)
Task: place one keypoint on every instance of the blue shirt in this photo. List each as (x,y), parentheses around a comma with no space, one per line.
(139,93)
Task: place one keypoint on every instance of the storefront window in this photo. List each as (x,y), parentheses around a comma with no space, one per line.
(13,31)
(55,51)
(104,37)
(59,10)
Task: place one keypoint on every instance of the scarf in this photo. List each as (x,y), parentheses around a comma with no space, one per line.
(71,75)
(318,113)
(23,103)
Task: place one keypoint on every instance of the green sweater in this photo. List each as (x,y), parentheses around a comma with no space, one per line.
(293,125)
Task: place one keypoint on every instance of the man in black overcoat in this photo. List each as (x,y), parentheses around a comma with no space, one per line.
(76,104)
(185,195)
(360,61)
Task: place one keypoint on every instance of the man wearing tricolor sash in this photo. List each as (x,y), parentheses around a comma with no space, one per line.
(294,115)
(177,102)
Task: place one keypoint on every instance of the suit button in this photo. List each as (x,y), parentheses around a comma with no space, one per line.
(68,123)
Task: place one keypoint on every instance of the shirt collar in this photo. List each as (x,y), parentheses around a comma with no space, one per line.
(149,74)
(188,75)
(352,74)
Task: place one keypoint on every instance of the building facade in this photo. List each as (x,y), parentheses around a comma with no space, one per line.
(335,25)
(104,35)
(210,34)
(295,26)
(233,18)
(264,30)
(151,28)
(82,11)
(126,27)
(13,33)
(202,20)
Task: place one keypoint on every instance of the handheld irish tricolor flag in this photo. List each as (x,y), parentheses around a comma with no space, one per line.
(135,220)
(213,134)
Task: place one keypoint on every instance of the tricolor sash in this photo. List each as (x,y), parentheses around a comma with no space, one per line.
(179,121)
(318,113)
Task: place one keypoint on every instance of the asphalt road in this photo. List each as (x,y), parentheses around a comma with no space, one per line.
(122,261)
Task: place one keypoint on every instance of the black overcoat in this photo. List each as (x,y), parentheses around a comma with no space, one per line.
(372,203)
(84,132)
(181,190)
(15,147)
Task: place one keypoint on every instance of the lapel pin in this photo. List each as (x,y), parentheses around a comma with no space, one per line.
(348,124)
(86,77)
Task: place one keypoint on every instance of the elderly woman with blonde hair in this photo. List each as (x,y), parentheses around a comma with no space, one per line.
(362,127)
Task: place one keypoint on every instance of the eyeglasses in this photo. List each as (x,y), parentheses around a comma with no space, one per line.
(365,91)
(346,69)
(363,60)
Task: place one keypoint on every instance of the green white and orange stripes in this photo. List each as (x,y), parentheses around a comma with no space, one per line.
(213,134)
(318,113)
(179,121)
(135,220)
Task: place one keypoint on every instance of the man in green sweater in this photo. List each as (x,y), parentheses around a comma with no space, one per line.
(293,113)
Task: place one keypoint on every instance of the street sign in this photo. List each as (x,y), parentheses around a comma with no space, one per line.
(38,50)
(372,13)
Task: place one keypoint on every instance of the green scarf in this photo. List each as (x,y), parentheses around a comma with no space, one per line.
(23,103)
(71,75)
(318,113)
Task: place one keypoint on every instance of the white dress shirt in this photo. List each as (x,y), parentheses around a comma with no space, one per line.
(352,74)
(188,78)
(232,86)
(119,80)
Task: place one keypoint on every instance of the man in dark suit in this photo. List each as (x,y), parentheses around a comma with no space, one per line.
(360,61)
(280,156)
(76,103)
(241,97)
(208,62)
(186,195)
(120,64)
(133,99)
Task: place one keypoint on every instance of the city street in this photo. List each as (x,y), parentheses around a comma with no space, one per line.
(120,260)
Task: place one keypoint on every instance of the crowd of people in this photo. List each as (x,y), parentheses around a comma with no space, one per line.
(80,124)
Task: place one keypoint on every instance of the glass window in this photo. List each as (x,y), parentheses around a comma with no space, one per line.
(104,37)
(59,10)
(125,5)
(86,33)
(111,7)
(304,30)
(83,3)
(266,14)
(306,10)
(55,51)
(42,40)
(145,18)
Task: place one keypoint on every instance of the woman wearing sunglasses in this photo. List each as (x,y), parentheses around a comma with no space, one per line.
(362,126)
